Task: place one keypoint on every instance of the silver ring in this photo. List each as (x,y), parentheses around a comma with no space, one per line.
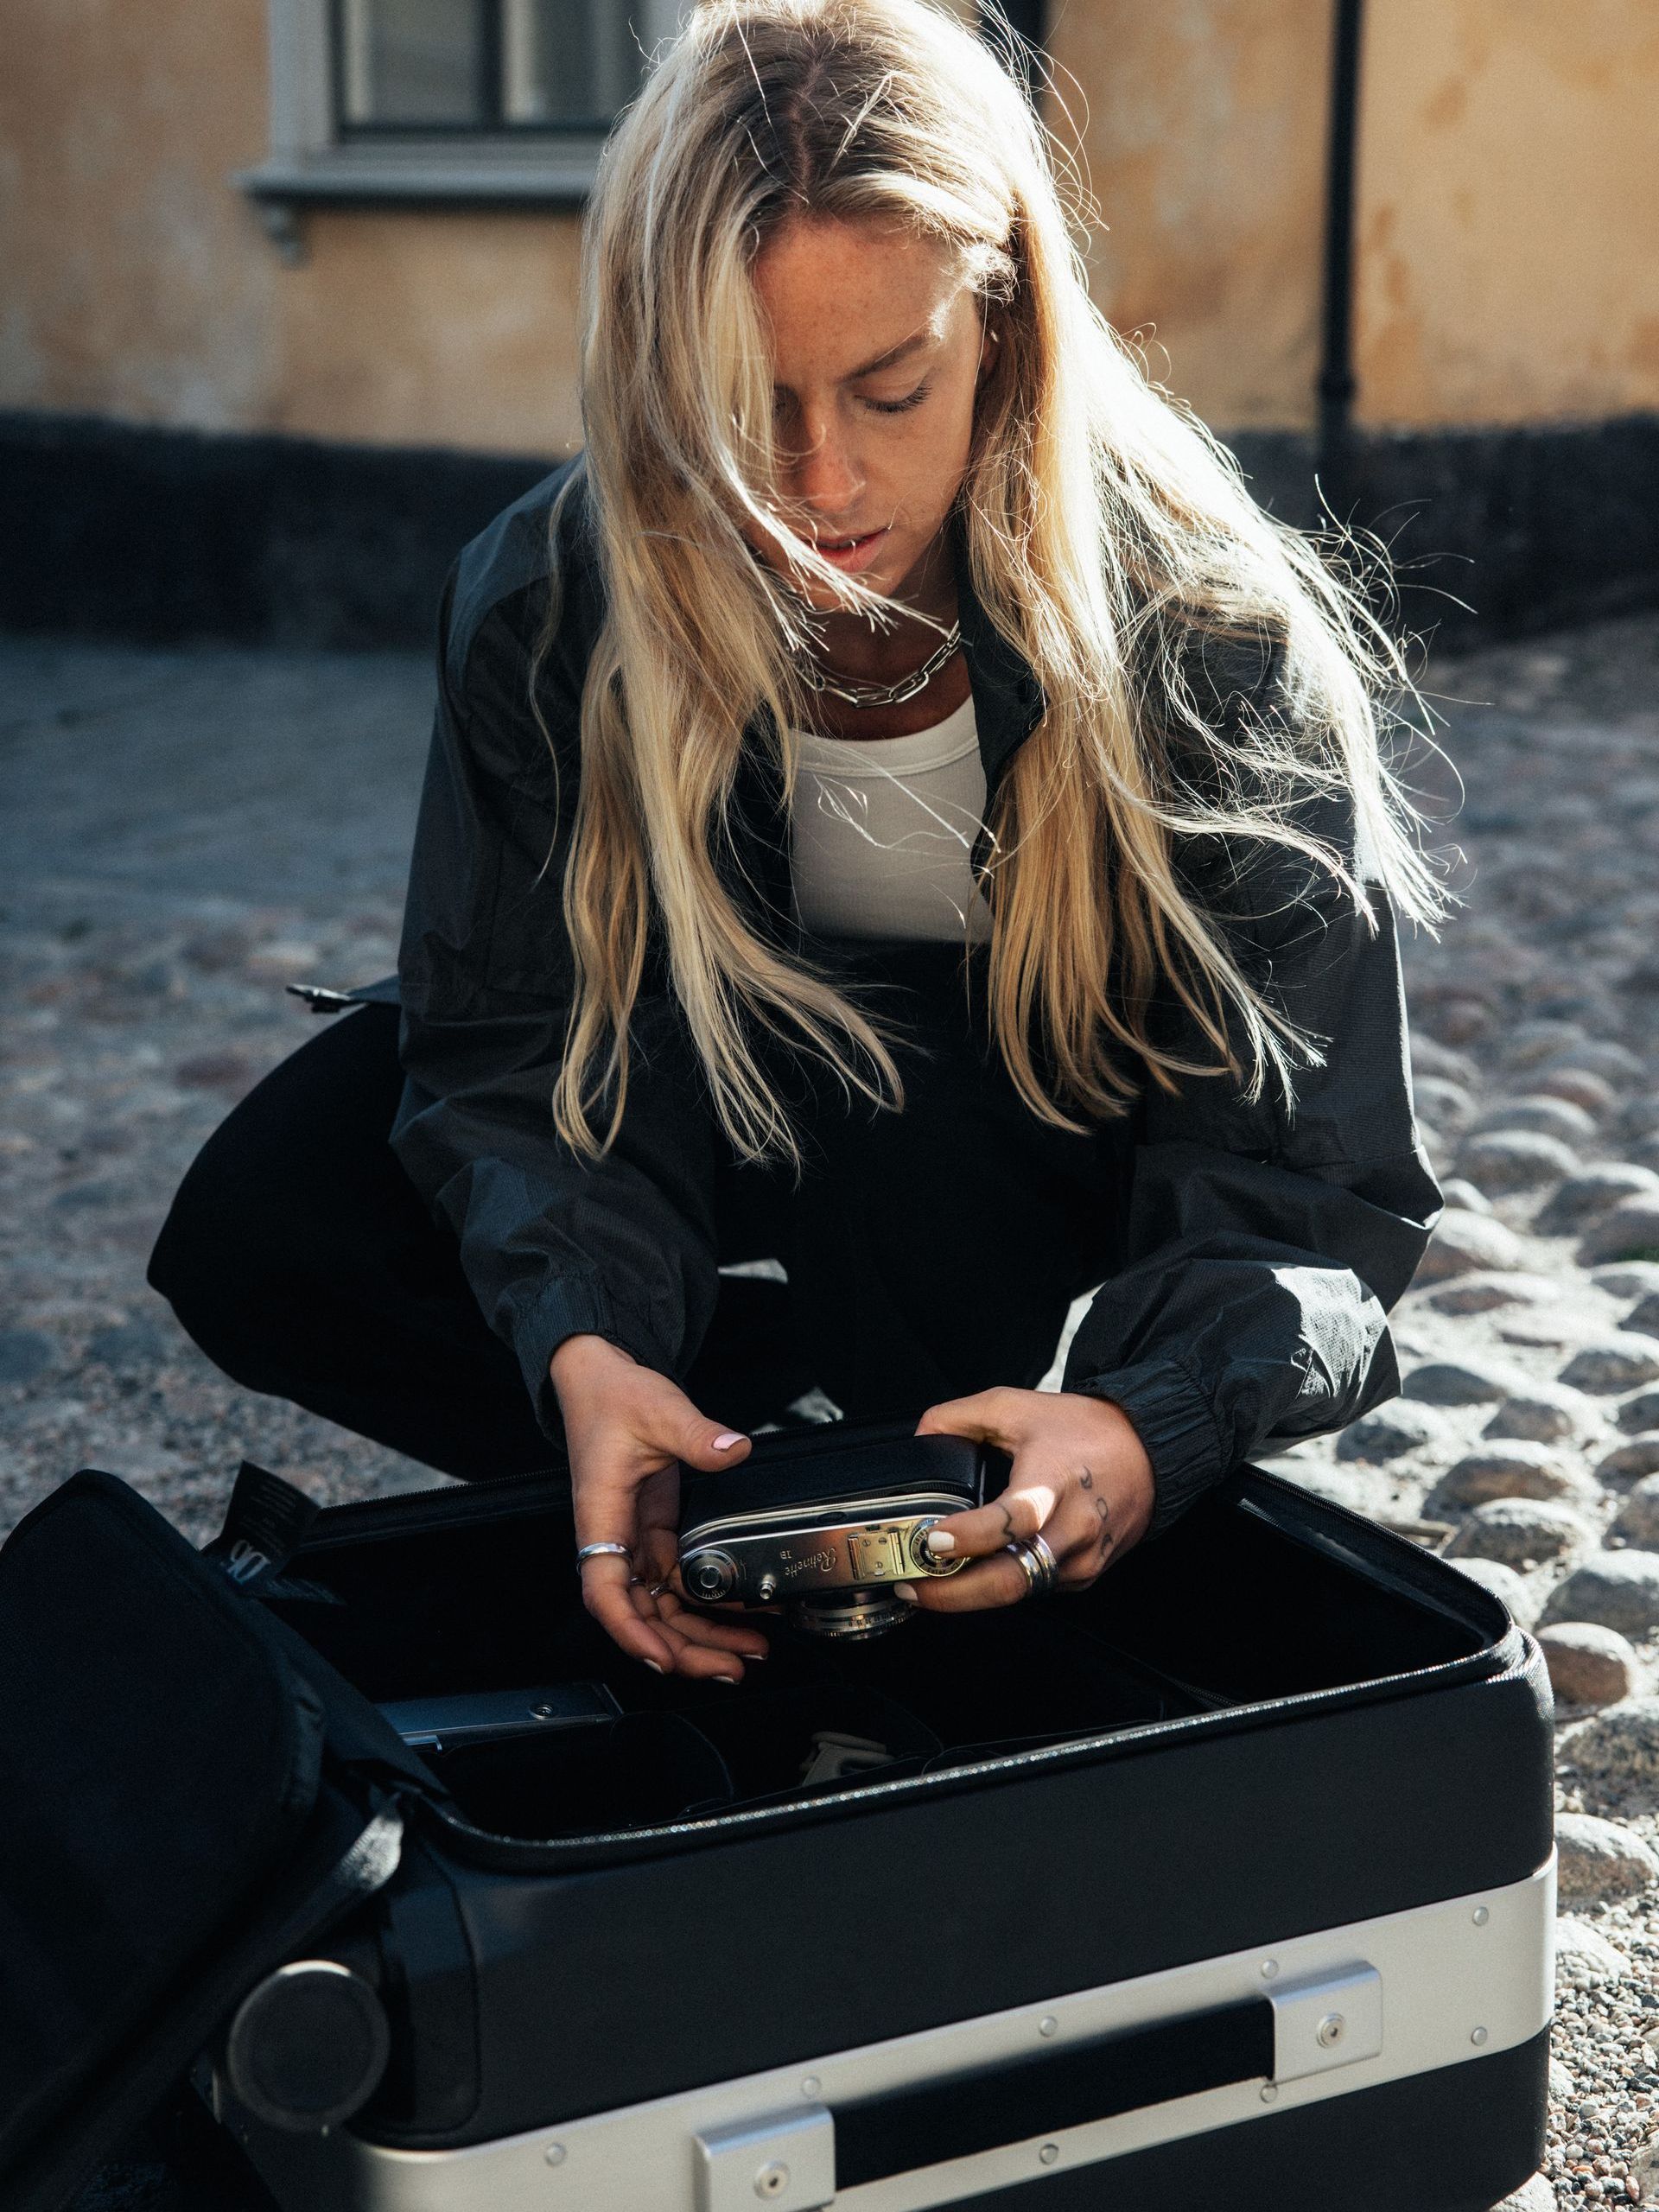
(1028,1563)
(1042,1569)
(603,1551)
(1048,1565)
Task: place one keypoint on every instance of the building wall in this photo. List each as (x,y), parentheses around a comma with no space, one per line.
(1202,126)
(1509,261)
(1507,271)
(141,284)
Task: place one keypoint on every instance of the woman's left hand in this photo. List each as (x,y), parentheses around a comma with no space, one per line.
(1080,1475)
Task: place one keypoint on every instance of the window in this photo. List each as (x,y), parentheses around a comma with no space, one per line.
(482,65)
(502,101)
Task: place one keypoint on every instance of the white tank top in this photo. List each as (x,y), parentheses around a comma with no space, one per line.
(883,831)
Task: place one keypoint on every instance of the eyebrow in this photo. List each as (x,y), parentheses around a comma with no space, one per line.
(893,353)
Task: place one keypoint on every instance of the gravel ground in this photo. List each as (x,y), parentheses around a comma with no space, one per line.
(182,833)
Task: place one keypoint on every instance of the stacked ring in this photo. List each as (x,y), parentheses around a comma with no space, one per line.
(1042,1569)
(603,1551)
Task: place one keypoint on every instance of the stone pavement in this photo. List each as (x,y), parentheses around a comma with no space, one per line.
(183,832)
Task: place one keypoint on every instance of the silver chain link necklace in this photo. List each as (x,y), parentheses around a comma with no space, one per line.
(818,678)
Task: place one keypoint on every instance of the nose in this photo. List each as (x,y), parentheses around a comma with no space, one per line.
(824,472)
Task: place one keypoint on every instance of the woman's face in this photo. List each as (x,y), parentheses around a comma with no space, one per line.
(876,348)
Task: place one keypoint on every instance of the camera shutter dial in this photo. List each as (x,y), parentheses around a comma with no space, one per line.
(710,1575)
(927,1561)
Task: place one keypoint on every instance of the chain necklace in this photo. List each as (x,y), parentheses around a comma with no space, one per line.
(817,678)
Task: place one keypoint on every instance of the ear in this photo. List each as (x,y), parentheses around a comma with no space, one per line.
(989,348)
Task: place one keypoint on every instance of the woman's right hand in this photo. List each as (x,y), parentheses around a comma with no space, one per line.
(628,1430)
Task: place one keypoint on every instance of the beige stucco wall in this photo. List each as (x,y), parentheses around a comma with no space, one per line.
(1509,267)
(1509,221)
(1202,129)
(139,284)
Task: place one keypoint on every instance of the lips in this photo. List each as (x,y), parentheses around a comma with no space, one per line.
(849,553)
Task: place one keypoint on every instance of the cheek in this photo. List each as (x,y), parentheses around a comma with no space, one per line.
(942,445)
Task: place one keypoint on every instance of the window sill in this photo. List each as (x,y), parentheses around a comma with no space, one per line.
(424,173)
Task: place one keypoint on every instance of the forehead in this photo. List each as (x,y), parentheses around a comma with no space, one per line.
(835,295)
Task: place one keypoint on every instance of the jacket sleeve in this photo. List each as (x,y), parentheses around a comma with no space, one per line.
(1266,1242)
(551,1244)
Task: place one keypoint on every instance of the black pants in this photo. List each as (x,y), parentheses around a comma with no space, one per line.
(929,1252)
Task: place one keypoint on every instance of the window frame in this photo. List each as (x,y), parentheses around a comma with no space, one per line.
(312,161)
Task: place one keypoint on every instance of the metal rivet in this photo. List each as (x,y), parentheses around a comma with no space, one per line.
(1270,2090)
(1480,1916)
(1269,1968)
(1329,2031)
(772,2180)
(1047,2025)
(810,2087)
(1478,2036)
(1049,2152)
(554,2154)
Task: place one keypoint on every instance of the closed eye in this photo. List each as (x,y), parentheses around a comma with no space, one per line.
(899,406)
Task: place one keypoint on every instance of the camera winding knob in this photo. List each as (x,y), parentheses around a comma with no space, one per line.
(710,1575)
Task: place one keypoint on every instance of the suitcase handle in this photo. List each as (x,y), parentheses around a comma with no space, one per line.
(1301,2024)
(924,2123)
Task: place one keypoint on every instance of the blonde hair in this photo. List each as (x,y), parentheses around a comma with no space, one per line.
(1105,530)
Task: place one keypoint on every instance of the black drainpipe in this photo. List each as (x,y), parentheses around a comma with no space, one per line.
(1028,17)
(1336,387)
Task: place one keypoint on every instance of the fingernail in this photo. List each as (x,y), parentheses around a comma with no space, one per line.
(724,1442)
(907,1591)
(654,1668)
(727,1678)
(940,1541)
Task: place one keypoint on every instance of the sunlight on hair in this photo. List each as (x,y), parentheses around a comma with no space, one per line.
(1110,538)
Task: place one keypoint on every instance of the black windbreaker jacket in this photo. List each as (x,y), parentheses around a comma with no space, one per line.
(1260,1247)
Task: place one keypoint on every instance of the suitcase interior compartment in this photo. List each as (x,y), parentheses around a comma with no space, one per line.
(1257,1595)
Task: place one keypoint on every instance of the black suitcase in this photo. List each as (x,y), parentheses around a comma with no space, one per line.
(1228,1883)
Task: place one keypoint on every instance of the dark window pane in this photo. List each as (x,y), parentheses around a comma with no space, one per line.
(411,62)
(568,61)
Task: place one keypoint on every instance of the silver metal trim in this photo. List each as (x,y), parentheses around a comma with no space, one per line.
(788,2159)
(1322,2021)
(1483,1961)
(832,1513)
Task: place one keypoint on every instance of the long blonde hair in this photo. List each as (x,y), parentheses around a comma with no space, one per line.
(1105,527)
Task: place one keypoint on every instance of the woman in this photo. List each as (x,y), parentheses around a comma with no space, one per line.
(898,808)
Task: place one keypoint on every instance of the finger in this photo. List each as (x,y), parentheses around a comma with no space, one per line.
(608,1592)
(1083,1540)
(716,1634)
(1020,1511)
(700,1661)
(987,1417)
(692,1651)
(691,1437)
(1000,1581)
(658,1555)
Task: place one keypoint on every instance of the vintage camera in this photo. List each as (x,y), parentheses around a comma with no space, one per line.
(825,1521)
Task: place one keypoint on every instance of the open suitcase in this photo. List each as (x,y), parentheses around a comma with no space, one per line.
(1226,1883)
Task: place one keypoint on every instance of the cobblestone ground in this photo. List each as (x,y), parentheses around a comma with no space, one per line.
(183,833)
